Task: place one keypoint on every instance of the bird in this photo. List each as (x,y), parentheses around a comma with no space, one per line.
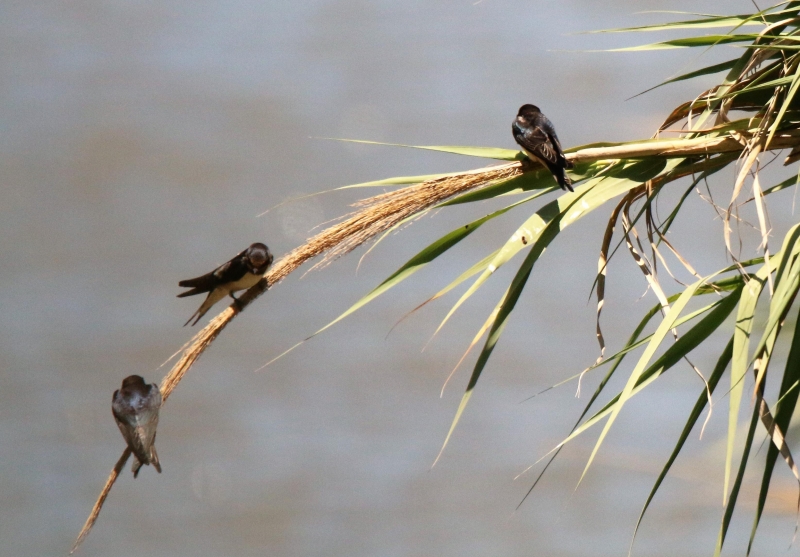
(240,273)
(135,407)
(536,135)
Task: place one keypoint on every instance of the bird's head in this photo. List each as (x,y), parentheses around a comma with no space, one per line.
(528,109)
(259,256)
(527,115)
(132,381)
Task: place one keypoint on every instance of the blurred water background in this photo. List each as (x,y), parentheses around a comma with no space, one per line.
(138,143)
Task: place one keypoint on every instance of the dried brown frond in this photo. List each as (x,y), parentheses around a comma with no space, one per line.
(602,263)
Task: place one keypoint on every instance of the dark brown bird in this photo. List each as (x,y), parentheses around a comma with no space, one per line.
(135,407)
(240,273)
(537,137)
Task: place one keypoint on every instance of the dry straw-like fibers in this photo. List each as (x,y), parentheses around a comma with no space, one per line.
(381,212)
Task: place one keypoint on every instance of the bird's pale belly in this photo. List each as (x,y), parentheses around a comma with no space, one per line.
(243,283)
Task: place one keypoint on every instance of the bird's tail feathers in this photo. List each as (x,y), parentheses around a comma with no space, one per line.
(197,281)
(154,459)
(213,297)
(564,181)
(192,292)
(195,314)
(136,466)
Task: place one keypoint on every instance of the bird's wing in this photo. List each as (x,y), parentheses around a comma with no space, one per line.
(536,141)
(547,127)
(133,438)
(233,270)
(148,415)
(563,161)
(146,432)
(198,285)
(228,271)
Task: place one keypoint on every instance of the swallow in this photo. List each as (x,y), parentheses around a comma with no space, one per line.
(240,273)
(135,407)
(537,137)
